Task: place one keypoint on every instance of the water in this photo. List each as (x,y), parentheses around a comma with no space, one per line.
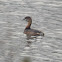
(15,46)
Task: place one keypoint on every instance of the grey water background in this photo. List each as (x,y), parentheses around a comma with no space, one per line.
(47,17)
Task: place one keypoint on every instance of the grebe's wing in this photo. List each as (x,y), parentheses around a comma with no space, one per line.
(33,32)
(38,32)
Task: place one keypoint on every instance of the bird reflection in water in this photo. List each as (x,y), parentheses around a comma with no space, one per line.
(30,39)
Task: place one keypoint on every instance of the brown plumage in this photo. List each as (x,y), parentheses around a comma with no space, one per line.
(30,31)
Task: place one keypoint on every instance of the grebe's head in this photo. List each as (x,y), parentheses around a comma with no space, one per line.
(28,19)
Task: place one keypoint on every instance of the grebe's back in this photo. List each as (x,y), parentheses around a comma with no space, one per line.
(33,32)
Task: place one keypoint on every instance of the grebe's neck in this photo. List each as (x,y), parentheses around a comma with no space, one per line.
(28,25)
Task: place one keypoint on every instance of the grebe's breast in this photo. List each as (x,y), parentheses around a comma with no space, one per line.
(33,32)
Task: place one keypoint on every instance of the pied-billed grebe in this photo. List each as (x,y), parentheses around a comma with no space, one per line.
(30,31)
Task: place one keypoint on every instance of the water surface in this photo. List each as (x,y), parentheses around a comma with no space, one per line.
(14,44)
